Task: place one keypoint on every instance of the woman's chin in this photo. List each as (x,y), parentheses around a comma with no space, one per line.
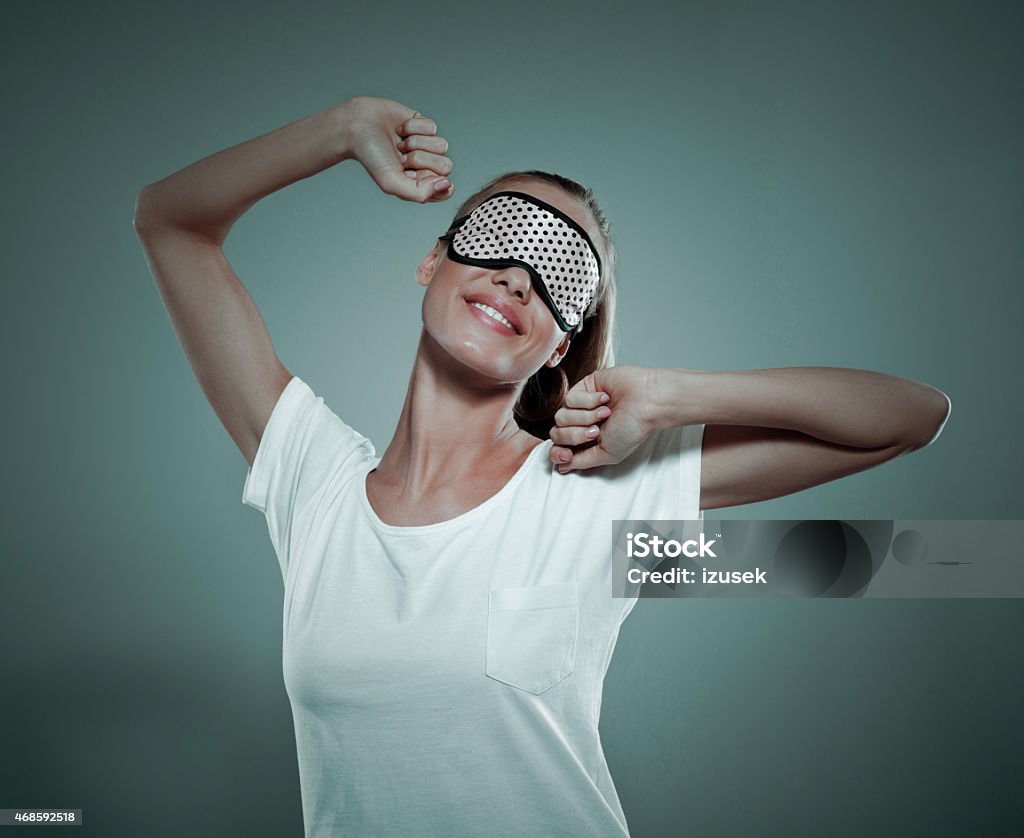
(481,355)
(489,369)
(485,362)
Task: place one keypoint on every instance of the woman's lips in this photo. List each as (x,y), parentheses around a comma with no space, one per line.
(489,321)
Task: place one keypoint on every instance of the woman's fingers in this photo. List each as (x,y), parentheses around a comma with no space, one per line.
(590,457)
(567,416)
(421,142)
(420,174)
(567,459)
(436,163)
(586,399)
(442,190)
(560,454)
(424,186)
(423,158)
(417,124)
(577,426)
(405,158)
(576,435)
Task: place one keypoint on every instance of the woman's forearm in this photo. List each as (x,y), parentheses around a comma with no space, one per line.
(207,197)
(851,407)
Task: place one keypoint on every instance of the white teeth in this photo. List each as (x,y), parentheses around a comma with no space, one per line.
(493,313)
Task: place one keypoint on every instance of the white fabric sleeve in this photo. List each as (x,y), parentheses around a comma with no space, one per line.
(305,449)
(691,441)
(669,474)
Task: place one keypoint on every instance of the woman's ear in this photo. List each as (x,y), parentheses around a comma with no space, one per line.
(425,271)
(559,352)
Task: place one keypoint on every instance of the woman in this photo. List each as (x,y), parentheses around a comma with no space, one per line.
(447,618)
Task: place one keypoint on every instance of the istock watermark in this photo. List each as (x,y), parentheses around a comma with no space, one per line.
(818,558)
(642,544)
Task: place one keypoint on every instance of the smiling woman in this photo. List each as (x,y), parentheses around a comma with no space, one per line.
(568,259)
(448,617)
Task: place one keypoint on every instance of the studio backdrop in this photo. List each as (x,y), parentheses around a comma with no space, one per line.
(789,184)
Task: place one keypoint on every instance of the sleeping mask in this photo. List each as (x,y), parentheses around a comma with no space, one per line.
(511,229)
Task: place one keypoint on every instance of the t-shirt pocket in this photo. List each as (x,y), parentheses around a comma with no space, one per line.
(531,635)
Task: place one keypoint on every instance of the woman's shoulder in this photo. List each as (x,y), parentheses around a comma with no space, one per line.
(307,432)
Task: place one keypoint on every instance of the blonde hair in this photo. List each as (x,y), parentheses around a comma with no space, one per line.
(593,348)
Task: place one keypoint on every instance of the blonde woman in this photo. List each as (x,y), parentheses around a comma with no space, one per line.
(448,618)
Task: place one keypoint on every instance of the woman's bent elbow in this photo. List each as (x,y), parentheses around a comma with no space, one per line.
(931,429)
(142,220)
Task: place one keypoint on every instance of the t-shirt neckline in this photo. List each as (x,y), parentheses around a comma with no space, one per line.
(459,520)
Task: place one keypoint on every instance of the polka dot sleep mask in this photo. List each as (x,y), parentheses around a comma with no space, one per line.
(512,229)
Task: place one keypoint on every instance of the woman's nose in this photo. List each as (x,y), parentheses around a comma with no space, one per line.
(516,279)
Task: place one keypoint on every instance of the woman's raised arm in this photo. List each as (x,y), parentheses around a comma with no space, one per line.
(767,432)
(183,220)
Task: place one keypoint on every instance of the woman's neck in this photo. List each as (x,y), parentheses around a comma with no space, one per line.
(455,425)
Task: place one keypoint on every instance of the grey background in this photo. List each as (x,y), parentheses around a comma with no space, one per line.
(789,184)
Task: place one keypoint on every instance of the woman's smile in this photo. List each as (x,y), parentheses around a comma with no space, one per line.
(493,318)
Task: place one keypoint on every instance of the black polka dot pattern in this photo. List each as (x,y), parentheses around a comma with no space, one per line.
(511,228)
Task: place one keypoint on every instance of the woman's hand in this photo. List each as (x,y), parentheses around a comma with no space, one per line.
(615,402)
(398,147)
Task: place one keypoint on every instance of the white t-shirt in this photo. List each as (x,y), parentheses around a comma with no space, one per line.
(445,680)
